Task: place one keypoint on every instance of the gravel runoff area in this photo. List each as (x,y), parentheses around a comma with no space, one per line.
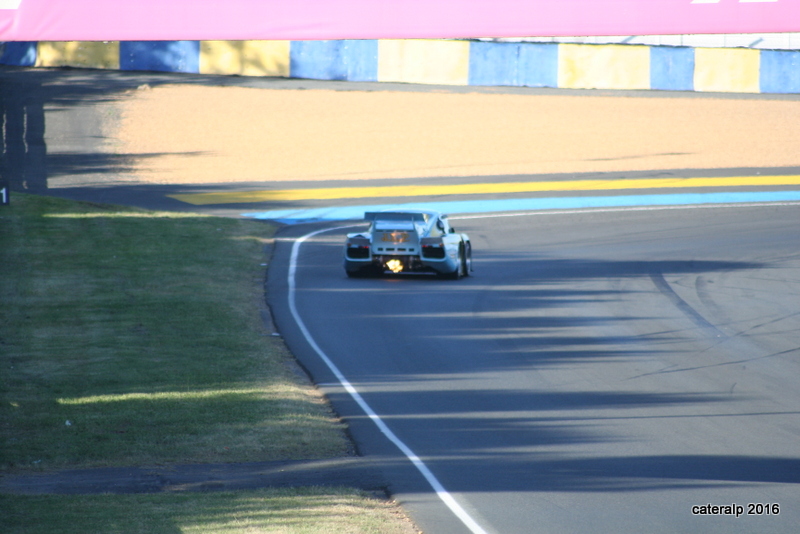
(190,134)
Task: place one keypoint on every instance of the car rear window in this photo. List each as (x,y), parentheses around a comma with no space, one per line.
(394,225)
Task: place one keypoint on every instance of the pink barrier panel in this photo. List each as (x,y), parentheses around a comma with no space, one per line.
(140,20)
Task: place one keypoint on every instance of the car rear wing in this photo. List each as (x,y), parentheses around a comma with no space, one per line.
(394,216)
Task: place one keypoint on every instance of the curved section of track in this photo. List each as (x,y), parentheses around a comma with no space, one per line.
(600,372)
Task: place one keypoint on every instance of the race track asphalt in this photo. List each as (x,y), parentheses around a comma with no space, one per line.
(601,371)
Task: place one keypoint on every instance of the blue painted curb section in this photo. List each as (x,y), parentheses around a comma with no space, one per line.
(346,213)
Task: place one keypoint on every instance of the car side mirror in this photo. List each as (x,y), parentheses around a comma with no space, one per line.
(452,230)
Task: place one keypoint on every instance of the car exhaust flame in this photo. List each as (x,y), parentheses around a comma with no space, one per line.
(394,265)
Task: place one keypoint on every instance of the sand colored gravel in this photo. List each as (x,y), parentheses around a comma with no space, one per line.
(227,134)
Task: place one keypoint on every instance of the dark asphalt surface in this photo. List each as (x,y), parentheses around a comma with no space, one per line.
(600,372)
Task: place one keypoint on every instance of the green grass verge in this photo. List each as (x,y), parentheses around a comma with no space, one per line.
(130,337)
(301,511)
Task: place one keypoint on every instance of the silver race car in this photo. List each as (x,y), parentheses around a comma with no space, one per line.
(408,241)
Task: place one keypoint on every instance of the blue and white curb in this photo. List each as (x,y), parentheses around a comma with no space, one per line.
(345,213)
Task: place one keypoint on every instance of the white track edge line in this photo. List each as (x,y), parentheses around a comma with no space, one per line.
(442,493)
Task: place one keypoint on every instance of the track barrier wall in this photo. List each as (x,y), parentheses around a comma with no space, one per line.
(444,62)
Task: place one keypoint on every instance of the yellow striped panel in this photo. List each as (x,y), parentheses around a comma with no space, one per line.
(475,189)
(423,61)
(733,70)
(245,58)
(603,66)
(88,54)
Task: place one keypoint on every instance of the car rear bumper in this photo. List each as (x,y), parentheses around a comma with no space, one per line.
(410,263)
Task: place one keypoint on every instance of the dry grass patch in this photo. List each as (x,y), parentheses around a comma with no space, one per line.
(295,511)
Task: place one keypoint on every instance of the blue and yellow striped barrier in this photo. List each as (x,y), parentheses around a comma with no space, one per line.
(477,63)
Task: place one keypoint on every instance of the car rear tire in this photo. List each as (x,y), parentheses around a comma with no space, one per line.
(460,268)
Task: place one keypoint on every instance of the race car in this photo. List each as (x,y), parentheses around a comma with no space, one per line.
(416,241)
